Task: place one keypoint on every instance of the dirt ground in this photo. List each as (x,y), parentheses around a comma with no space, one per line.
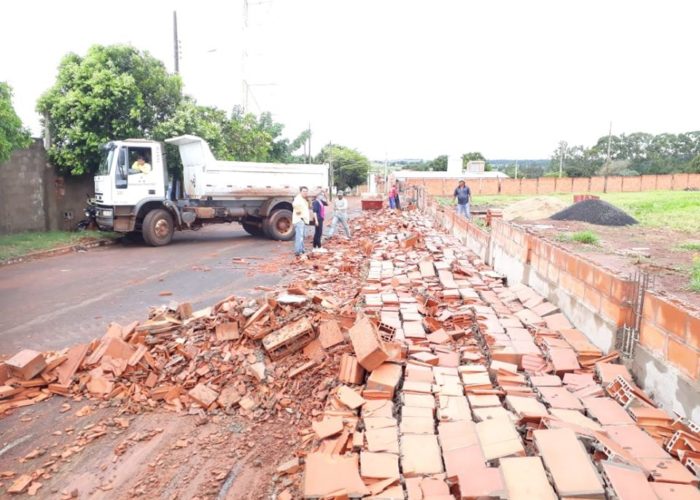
(629,248)
(157,455)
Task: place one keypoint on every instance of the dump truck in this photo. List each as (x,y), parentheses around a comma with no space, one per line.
(144,201)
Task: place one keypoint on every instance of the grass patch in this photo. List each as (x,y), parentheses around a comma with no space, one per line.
(678,210)
(17,245)
(586,237)
(695,275)
(690,245)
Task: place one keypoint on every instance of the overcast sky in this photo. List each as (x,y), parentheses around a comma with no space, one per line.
(409,79)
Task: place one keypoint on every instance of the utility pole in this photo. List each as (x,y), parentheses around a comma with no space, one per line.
(176,44)
(607,161)
(386,173)
(516,169)
(330,165)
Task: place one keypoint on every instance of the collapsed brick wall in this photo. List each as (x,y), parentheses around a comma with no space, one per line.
(669,333)
(551,185)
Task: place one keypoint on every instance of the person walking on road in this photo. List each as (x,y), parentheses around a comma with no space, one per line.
(319,209)
(340,214)
(300,218)
(463,197)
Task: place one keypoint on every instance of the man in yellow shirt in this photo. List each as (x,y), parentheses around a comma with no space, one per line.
(140,166)
(300,218)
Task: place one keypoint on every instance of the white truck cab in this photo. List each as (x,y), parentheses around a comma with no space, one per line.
(135,199)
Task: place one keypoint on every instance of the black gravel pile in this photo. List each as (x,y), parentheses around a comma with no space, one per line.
(595,212)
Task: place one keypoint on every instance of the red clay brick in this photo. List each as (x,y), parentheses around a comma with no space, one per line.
(579,184)
(613,184)
(553,272)
(585,271)
(592,298)
(693,335)
(664,182)
(613,311)
(648,307)
(597,184)
(621,290)
(652,338)
(602,281)
(671,318)
(683,357)
(572,264)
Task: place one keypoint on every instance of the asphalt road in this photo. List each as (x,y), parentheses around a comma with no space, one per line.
(59,301)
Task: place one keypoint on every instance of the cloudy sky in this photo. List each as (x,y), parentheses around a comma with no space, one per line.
(402,78)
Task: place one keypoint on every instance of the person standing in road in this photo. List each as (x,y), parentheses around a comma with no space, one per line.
(397,198)
(340,214)
(463,197)
(319,209)
(393,193)
(300,218)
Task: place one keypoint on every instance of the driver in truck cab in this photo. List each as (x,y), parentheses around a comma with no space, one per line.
(140,166)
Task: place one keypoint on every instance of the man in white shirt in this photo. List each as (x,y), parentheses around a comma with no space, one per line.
(340,214)
(300,218)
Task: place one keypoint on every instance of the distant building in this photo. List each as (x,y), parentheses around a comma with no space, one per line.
(406,175)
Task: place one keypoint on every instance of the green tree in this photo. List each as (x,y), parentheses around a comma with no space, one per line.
(113,92)
(694,166)
(189,118)
(439,164)
(12,134)
(350,167)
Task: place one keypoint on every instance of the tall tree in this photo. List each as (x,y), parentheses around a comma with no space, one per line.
(12,134)
(439,164)
(350,167)
(112,92)
(189,118)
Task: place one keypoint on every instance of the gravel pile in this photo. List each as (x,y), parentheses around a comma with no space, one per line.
(595,212)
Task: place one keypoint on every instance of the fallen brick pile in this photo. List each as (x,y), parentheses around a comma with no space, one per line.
(472,389)
(407,369)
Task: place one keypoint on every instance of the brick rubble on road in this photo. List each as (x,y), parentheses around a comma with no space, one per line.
(407,369)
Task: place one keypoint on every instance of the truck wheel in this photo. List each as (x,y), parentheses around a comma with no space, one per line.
(252,229)
(279,225)
(158,227)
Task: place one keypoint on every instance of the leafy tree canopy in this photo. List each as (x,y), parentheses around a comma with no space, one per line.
(643,153)
(113,92)
(12,134)
(350,167)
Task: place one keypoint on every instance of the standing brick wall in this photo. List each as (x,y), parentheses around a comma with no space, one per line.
(34,198)
(550,185)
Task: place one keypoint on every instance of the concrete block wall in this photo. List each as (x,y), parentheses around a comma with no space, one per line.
(549,185)
(33,197)
(666,362)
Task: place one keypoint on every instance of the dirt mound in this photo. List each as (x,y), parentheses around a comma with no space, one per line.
(597,212)
(537,208)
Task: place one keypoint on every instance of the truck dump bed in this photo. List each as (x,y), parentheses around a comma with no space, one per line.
(205,176)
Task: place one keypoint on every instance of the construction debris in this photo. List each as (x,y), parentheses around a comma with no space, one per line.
(450,385)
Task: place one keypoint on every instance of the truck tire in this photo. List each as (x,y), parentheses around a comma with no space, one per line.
(158,228)
(252,229)
(278,225)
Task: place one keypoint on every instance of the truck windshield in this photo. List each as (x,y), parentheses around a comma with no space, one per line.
(105,162)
